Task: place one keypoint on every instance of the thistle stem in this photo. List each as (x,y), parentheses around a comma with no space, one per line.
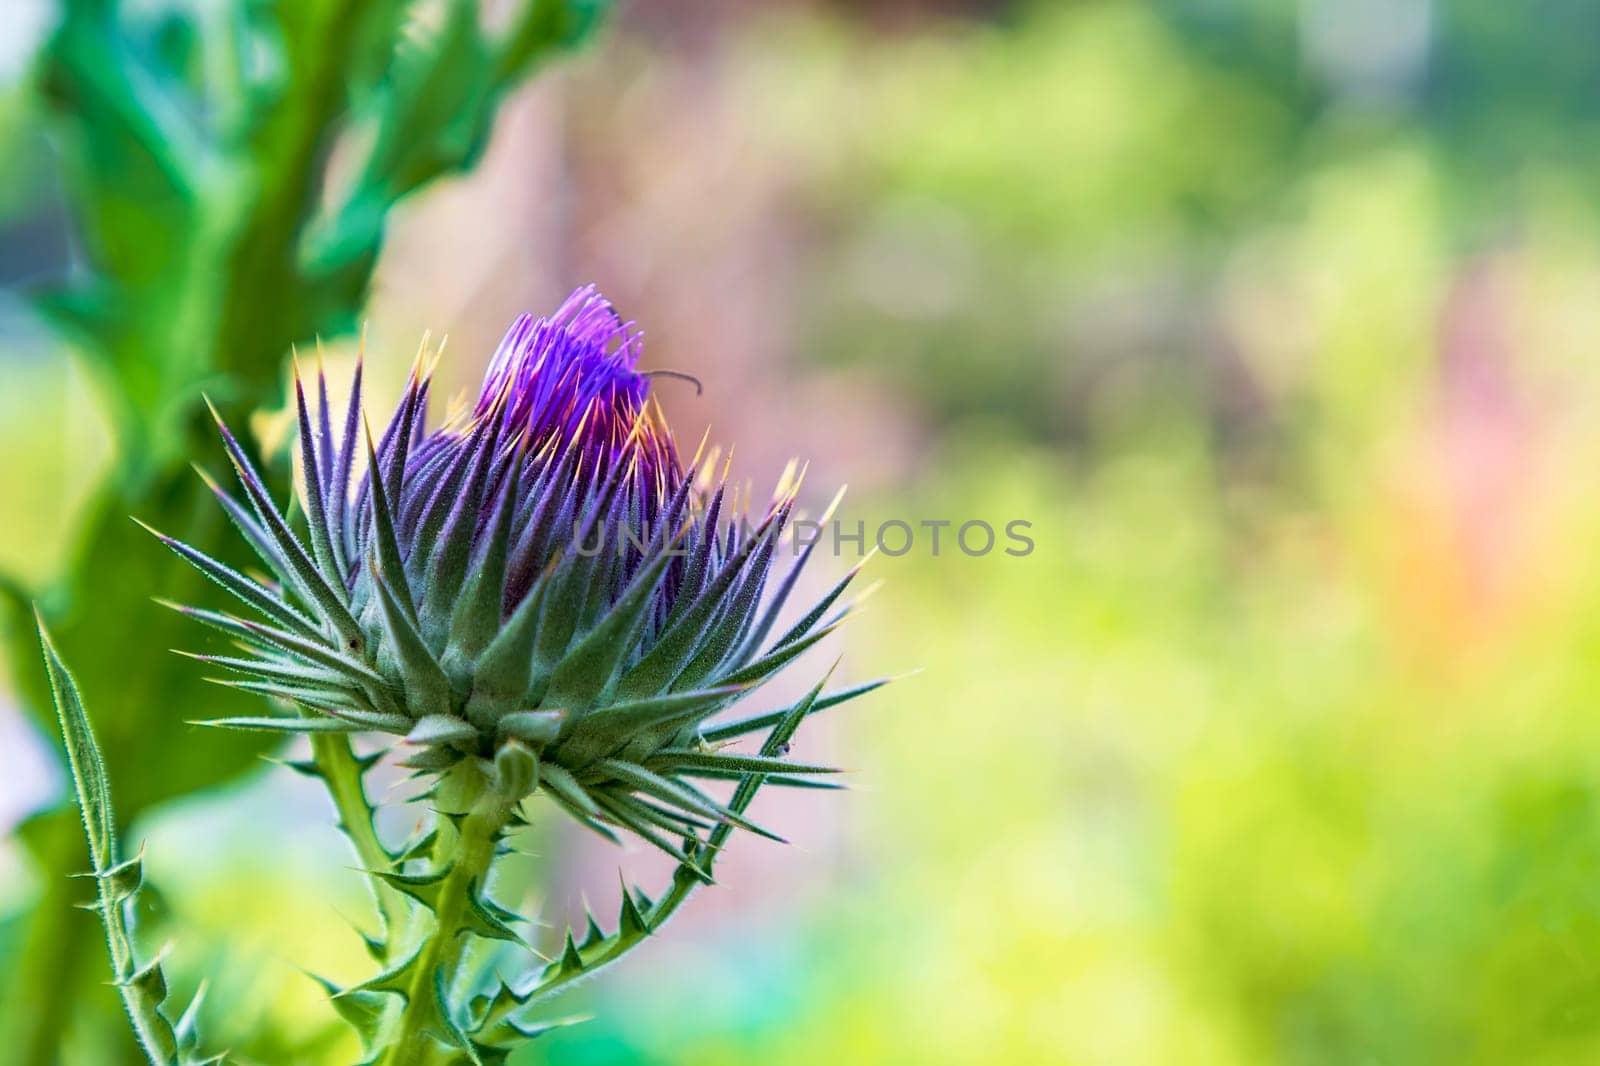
(153,1031)
(473,852)
(341,773)
(143,989)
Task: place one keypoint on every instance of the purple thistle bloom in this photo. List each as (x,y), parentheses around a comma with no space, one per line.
(542,570)
(572,377)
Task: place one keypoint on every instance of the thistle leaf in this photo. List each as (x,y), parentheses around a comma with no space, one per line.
(585,814)
(396,979)
(483,918)
(361,1008)
(731,730)
(386,559)
(588,670)
(435,759)
(308,579)
(560,781)
(424,888)
(310,650)
(571,962)
(185,1029)
(774,607)
(267,724)
(820,608)
(534,727)
(441,1001)
(505,669)
(777,659)
(441,729)
(425,682)
(83,759)
(635,817)
(678,794)
(251,530)
(676,646)
(247,591)
(689,762)
(476,619)
(631,923)
(604,731)
(315,469)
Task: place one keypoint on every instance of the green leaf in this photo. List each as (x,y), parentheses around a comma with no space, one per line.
(425,682)
(543,26)
(534,727)
(476,617)
(386,560)
(588,670)
(268,724)
(777,659)
(441,729)
(247,591)
(312,651)
(506,666)
(516,770)
(731,730)
(310,582)
(605,730)
(441,1001)
(632,923)
(483,918)
(691,761)
(627,812)
(194,216)
(83,759)
(361,1008)
(678,794)
(424,888)
(396,979)
(571,962)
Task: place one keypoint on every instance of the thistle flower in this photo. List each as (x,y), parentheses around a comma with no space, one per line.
(541,576)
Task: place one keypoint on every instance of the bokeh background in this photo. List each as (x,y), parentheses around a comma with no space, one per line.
(1278,322)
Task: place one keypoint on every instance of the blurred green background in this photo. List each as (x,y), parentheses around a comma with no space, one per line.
(1277,320)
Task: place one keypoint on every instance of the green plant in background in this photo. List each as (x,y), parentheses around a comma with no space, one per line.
(217,231)
(538,598)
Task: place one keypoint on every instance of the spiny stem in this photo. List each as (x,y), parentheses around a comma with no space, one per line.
(470,857)
(341,773)
(142,989)
(154,1032)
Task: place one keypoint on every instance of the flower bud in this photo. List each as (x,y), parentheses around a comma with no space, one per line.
(539,582)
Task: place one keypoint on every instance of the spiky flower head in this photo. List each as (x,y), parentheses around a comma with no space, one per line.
(541,572)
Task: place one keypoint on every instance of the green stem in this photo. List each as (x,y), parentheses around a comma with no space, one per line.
(341,772)
(143,1004)
(142,989)
(479,835)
